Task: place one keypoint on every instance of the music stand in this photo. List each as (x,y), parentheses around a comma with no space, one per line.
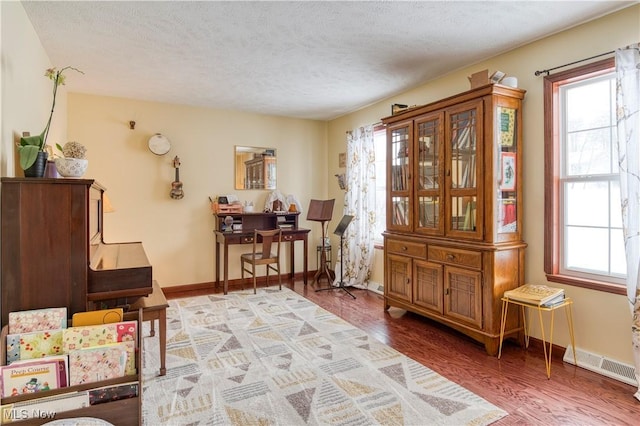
(340,231)
(322,211)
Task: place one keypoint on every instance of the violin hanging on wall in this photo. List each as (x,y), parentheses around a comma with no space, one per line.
(176,187)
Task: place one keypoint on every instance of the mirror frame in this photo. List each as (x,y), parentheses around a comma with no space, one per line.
(261,173)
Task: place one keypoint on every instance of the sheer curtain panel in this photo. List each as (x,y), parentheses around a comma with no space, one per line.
(360,202)
(628,115)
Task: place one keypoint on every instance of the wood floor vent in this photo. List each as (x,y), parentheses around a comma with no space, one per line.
(602,365)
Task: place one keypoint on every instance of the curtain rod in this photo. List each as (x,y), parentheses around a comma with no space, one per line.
(379,123)
(537,73)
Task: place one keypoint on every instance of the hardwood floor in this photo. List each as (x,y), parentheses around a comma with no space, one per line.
(517,382)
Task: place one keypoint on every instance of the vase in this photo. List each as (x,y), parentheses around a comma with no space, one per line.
(37,169)
(51,171)
(71,167)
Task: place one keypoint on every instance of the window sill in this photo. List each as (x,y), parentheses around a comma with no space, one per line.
(590,284)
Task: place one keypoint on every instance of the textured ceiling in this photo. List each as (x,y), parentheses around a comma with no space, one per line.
(315,60)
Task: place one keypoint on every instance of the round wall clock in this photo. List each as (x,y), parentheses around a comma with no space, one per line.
(159,144)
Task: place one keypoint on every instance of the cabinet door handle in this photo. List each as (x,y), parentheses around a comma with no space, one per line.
(404,248)
(451,256)
(446,291)
(408,281)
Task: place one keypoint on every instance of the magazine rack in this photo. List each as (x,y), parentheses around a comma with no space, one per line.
(322,211)
(126,412)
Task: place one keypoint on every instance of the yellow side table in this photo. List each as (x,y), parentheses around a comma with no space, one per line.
(566,303)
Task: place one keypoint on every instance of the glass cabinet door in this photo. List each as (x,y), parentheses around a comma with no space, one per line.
(507,169)
(429,153)
(399,151)
(462,172)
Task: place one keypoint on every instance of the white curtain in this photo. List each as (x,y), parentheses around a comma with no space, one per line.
(360,202)
(628,116)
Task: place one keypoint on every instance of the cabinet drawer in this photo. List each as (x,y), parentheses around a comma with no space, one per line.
(407,248)
(472,259)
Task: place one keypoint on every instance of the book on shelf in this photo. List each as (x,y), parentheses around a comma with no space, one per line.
(37,320)
(113,393)
(45,407)
(34,376)
(103,316)
(33,345)
(539,295)
(99,334)
(94,364)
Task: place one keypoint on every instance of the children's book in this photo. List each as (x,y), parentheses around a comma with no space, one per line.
(103,316)
(37,320)
(44,407)
(35,376)
(33,345)
(75,338)
(113,393)
(98,363)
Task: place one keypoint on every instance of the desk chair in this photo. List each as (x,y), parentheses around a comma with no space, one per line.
(262,255)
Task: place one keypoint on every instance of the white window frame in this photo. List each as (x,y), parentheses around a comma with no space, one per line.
(555,209)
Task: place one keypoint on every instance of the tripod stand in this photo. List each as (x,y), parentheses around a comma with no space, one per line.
(340,230)
(323,268)
(321,211)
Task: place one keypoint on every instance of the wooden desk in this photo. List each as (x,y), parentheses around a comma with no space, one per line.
(226,238)
(154,307)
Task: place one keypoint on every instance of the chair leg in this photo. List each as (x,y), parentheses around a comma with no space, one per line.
(279,276)
(255,284)
(242,273)
(267,283)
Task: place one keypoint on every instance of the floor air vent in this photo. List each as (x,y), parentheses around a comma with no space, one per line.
(602,365)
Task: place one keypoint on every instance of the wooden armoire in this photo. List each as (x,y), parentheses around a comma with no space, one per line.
(453,242)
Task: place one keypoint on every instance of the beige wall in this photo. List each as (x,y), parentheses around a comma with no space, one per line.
(602,321)
(26,92)
(177,234)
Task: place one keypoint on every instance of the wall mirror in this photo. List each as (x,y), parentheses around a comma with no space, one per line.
(255,167)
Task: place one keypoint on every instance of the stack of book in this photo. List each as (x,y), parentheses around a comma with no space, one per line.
(539,295)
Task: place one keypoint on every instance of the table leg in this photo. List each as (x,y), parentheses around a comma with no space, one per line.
(217,248)
(163,340)
(226,268)
(304,273)
(292,259)
(547,354)
(503,320)
(569,313)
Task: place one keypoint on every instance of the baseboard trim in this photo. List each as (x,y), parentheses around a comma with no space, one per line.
(235,284)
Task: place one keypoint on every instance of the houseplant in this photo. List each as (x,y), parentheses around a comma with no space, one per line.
(74,163)
(31,149)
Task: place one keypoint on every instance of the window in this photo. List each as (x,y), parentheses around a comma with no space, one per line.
(380,141)
(583,224)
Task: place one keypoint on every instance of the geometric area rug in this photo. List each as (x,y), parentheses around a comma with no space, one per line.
(275,358)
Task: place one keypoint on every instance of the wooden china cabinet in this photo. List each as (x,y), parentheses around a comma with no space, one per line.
(453,242)
(260,172)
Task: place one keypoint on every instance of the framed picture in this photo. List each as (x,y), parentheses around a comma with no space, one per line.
(508,178)
(342,159)
(507,124)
